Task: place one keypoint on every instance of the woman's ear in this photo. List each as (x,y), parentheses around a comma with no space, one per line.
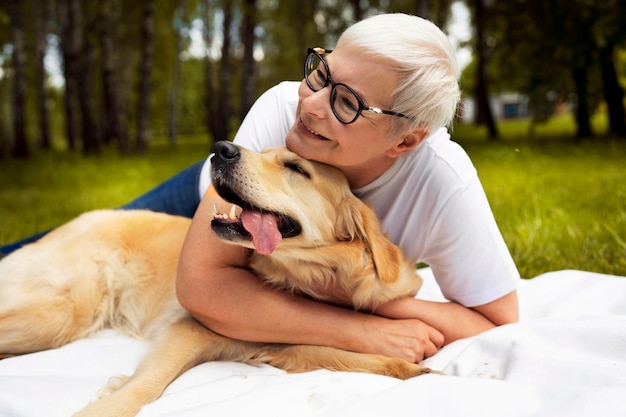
(408,141)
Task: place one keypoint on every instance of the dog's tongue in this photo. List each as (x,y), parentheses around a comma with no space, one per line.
(264,230)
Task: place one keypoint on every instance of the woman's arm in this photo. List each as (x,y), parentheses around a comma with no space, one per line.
(215,285)
(452,319)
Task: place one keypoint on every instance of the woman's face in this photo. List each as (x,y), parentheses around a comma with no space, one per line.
(358,149)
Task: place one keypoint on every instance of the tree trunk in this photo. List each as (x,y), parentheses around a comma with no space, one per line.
(248,76)
(222,128)
(422,8)
(90,132)
(583,124)
(172,98)
(20,140)
(145,77)
(113,131)
(42,16)
(483,109)
(218,97)
(358,10)
(442,14)
(210,101)
(69,47)
(613,92)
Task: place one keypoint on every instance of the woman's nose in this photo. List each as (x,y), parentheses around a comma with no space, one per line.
(316,103)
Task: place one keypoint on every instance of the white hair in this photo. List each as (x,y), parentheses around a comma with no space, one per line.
(424,60)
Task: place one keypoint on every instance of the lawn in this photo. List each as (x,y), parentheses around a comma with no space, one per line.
(560,203)
(53,187)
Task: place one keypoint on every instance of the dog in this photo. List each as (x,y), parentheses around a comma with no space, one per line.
(117,269)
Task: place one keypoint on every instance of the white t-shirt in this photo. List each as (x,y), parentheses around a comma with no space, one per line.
(430,203)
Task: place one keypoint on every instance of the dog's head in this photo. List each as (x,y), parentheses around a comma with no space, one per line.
(287,202)
(282,196)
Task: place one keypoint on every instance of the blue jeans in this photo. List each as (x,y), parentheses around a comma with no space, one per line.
(178,195)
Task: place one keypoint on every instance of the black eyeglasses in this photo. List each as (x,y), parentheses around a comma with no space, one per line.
(345,103)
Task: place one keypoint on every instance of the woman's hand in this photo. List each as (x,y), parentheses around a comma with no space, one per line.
(408,339)
(454,320)
(403,336)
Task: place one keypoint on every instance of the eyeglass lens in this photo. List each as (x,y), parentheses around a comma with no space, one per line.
(343,101)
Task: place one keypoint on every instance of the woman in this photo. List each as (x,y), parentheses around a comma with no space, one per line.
(401,161)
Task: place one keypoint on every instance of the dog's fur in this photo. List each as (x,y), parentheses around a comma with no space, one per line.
(116,269)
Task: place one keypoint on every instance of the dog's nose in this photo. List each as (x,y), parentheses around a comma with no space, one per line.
(226,151)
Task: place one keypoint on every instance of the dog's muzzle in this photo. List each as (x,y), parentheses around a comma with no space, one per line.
(265,228)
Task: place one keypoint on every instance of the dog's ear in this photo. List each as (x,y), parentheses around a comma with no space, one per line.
(357,221)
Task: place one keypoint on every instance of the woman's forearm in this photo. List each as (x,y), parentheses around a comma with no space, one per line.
(233,302)
(243,308)
(453,320)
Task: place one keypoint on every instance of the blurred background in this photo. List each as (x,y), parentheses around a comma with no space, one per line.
(102,100)
(83,74)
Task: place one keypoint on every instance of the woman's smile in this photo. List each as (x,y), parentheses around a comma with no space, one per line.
(311,131)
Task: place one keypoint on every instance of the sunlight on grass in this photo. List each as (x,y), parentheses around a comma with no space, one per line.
(559,127)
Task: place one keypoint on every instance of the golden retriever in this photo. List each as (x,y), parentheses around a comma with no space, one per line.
(117,269)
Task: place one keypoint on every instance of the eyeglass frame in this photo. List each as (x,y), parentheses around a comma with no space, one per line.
(362,106)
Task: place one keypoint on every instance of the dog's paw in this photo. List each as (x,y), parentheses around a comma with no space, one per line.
(404,370)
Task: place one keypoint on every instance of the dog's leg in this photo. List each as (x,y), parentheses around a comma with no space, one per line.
(49,298)
(182,346)
(30,329)
(300,358)
(39,318)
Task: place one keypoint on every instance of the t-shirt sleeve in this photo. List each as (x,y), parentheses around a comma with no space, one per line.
(467,252)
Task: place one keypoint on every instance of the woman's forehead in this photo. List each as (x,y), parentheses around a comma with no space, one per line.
(372,78)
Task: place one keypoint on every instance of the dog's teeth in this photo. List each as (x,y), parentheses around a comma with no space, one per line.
(231,214)
(215,212)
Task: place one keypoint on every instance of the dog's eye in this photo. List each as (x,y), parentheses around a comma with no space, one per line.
(292,166)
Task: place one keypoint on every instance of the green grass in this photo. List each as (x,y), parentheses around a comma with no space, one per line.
(560,203)
(53,187)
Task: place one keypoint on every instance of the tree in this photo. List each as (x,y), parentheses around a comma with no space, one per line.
(218,79)
(69,46)
(556,48)
(90,133)
(613,92)
(113,128)
(172,98)
(145,76)
(609,34)
(41,21)
(248,65)
(484,116)
(20,139)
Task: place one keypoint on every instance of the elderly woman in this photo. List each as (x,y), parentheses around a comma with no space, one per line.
(375,107)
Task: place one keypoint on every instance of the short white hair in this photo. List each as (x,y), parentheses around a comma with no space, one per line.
(425,61)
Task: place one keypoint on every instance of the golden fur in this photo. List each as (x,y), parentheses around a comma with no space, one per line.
(117,269)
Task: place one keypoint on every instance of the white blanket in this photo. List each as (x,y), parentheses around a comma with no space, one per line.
(566,357)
